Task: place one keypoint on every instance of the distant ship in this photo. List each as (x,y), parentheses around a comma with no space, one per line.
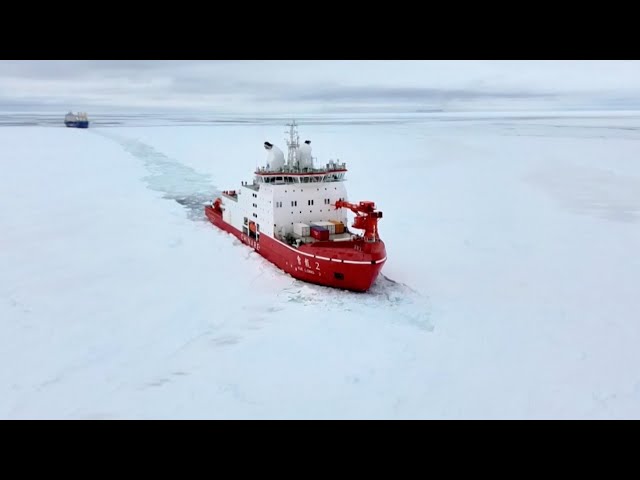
(76,121)
(294,214)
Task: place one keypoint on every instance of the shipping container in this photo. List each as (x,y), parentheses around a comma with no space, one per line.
(301,229)
(320,233)
(339,227)
(328,225)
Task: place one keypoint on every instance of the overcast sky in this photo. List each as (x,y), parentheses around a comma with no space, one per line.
(247,86)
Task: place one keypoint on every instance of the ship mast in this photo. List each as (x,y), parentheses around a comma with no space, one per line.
(293,142)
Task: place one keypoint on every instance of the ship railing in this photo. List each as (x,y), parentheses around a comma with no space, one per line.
(230,194)
(329,168)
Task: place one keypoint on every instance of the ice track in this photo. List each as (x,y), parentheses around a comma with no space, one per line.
(175,181)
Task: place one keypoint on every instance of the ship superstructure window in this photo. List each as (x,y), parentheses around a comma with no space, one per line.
(314,179)
(310,202)
(294,203)
(327,201)
(278,204)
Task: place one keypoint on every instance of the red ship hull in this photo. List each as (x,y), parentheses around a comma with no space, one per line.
(350,265)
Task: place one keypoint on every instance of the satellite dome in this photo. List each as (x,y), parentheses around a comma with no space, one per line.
(304,155)
(275,157)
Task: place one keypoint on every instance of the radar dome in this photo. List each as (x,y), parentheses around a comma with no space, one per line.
(304,155)
(275,157)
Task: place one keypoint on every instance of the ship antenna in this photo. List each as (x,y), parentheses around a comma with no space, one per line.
(293,143)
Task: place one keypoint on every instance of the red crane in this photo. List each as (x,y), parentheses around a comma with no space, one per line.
(366,218)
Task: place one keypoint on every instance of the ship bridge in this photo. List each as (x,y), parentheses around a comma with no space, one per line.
(333,172)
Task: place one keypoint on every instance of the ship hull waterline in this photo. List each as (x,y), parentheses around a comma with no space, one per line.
(352,275)
(77,124)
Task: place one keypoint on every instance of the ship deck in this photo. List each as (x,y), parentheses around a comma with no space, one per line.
(230,197)
(340,237)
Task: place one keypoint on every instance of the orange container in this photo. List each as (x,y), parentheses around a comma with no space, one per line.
(339,226)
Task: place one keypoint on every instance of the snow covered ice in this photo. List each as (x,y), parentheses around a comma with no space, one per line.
(510,289)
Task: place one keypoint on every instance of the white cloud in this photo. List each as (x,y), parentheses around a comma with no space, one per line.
(297,85)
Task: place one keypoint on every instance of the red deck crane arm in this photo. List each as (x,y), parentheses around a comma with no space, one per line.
(366,218)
